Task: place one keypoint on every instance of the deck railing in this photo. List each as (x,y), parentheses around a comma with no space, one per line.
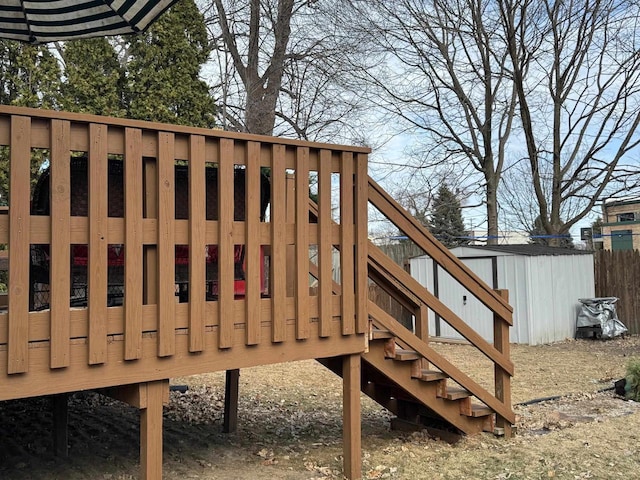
(158,331)
(417,299)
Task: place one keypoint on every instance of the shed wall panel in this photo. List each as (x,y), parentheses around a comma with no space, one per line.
(543,290)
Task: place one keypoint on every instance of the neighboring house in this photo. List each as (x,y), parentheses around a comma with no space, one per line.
(621,224)
(544,286)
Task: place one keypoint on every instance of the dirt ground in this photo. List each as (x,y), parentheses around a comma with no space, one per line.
(290,427)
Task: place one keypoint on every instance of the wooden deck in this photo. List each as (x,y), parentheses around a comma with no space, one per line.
(291,304)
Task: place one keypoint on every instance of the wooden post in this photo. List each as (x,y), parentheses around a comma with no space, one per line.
(352,434)
(151,432)
(502,378)
(231,397)
(60,414)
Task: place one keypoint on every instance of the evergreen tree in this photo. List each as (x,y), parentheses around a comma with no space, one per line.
(94,78)
(596,232)
(538,236)
(163,79)
(29,77)
(446,222)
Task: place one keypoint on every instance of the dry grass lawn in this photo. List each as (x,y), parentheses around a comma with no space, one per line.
(290,427)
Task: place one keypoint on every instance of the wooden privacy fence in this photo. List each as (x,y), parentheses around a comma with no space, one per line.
(155,333)
(617,274)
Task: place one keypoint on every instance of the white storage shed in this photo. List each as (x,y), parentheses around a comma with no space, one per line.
(544,286)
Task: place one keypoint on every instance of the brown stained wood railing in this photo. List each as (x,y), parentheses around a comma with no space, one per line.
(61,253)
(421,237)
(98,243)
(197,243)
(406,290)
(253,258)
(325,251)
(278,276)
(133,240)
(19,229)
(302,242)
(138,166)
(347,239)
(225,244)
(383,268)
(166,245)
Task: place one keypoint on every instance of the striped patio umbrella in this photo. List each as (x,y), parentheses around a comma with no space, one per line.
(41,21)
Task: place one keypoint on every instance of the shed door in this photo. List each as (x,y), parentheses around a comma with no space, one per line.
(463,304)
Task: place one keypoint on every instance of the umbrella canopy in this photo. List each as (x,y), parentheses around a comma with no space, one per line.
(43,21)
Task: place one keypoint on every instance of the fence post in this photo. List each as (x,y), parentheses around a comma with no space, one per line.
(502,378)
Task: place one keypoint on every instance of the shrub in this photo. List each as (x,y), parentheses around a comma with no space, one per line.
(633,380)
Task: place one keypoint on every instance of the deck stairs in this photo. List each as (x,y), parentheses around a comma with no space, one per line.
(403,372)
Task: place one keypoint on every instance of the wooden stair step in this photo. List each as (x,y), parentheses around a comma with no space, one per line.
(431,375)
(480,411)
(455,393)
(403,355)
(377,334)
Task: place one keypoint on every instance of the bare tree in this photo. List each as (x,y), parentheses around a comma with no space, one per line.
(446,80)
(576,68)
(280,64)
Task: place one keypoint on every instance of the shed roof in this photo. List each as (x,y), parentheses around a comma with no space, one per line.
(530,250)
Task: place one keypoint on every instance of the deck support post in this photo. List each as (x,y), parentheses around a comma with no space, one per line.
(60,414)
(232,385)
(352,433)
(151,432)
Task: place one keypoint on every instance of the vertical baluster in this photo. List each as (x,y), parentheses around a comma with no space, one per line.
(225,244)
(302,243)
(19,244)
(362,239)
(197,242)
(278,279)
(347,243)
(166,245)
(133,244)
(98,243)
(60,190)
(252,243)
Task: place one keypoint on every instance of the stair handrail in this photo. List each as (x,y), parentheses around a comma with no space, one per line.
(379,262)
(418,234)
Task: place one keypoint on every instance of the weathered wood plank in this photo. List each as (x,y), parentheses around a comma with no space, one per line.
(347,240)
(133,244)
(151,432)
(362,241)
(325,247)
(252,246)
(278,278)
(166,245)
(98,243)
(302,243)
(19,226)
(501,377)
(225,242)
(351,412)
(60,192)
(197,242)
